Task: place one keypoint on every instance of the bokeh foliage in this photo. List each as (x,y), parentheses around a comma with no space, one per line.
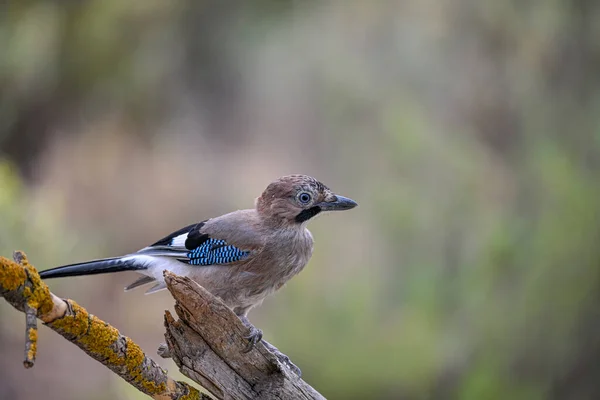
(468,131)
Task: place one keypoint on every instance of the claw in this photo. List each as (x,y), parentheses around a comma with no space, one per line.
(253,337)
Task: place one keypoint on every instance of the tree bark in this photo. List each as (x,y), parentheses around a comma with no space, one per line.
(207,342)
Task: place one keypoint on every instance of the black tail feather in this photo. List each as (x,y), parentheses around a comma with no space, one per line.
(93,267)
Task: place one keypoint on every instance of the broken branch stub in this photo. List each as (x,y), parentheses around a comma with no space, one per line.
(216,338)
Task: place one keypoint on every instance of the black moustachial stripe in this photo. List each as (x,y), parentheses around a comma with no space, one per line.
(307,214)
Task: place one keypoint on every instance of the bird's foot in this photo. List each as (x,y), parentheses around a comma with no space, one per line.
(285,360)
(253,337)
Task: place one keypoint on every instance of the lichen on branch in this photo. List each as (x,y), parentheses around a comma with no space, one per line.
(22,287)
(206,342)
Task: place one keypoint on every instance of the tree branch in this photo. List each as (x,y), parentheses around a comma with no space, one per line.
(21,286)
(207,342)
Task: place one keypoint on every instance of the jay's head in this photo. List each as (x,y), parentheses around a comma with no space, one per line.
(294,199)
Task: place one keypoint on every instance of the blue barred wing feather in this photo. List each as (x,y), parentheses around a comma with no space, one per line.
(215,251)
(192,246)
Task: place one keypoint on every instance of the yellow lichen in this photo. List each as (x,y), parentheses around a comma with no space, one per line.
(12,275)
(39,298)
(97,338)
(92,334)
(135,359)
(41,301)
(72,325)
(33,336)
(193,393)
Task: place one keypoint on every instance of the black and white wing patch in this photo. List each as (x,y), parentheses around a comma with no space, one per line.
(178,238)
(190,245)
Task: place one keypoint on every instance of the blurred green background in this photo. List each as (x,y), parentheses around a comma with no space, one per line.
(468,131)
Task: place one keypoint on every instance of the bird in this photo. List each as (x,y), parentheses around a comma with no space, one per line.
(241,257)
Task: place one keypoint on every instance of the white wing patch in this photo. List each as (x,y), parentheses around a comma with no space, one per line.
(179,241)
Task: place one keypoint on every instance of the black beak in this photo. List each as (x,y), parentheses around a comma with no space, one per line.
(339,203)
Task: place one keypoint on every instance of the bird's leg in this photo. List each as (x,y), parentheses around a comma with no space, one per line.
(283,358)
(254,336)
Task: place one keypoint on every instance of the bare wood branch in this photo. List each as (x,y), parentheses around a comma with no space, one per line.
(30,336)
(207,342)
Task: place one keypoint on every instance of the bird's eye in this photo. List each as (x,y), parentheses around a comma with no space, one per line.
(304,197)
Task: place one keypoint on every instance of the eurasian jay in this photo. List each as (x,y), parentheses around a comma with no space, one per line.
(241,257)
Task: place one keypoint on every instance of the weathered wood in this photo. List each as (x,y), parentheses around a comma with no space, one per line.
(216,337)
(207,342)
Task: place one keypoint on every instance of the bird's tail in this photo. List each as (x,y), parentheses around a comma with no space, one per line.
(102,266)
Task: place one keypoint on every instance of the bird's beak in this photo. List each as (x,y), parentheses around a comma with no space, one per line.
(337,203)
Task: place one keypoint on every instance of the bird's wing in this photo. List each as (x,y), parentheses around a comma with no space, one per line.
(201,244)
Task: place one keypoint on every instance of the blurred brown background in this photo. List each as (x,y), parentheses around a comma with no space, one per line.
(468,131)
